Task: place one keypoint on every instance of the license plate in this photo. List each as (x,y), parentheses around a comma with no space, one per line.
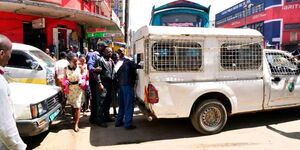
(54,115)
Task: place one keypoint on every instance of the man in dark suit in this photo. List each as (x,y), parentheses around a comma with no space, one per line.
(104,86)
(126,76)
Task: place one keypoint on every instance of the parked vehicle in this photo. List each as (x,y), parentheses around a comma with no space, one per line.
(36,106)
(180,13)
(208,74)
(29,64)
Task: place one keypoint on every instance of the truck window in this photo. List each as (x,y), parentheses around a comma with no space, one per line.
(176,56)
(281,64)
(238,56)
(20,60)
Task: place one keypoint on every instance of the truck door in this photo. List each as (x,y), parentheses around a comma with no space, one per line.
(282,79)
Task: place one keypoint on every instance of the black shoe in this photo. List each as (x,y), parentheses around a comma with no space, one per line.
(109,120)
(93,121)
(119,125)
(103,125)
(131,127)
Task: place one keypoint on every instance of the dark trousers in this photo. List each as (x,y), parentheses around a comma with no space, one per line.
(103,99)
(126,104)
(107,99)
(94,104)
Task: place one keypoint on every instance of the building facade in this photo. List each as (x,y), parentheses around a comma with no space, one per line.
(56,24)
(277,20)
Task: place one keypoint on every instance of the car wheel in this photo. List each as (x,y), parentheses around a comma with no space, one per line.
(209,117)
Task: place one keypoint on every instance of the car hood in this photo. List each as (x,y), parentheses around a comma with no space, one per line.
(24,93)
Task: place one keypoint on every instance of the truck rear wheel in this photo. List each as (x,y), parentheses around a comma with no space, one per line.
(209,117)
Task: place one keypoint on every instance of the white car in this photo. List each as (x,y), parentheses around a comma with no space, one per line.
(36,106)
(29,64)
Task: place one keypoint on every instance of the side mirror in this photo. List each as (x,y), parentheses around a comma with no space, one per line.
(33,64)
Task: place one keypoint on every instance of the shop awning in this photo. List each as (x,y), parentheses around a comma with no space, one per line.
(57,12)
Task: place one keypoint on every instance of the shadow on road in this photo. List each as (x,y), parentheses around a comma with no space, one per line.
(166,129)
(146,131)
(35,141)
(262,118)
(293,135)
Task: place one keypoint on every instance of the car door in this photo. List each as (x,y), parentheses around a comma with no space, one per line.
(19,69)
(284,85)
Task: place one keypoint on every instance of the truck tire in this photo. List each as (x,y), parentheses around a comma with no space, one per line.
(209,117)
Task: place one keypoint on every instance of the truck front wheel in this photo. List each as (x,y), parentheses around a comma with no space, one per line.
(209,117)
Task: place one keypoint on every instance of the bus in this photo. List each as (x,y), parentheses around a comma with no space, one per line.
(180,13)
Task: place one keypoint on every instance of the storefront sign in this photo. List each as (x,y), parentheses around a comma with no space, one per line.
(290,7)
(94,30)
(38,23)
(96,34)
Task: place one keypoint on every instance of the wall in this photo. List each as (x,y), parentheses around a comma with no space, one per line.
(11,25)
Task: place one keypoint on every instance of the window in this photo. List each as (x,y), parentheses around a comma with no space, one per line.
(292,0)
(293,36)
(241,56)
(176,56)
(181,20)
(20,60)
(281,64)
(292,26)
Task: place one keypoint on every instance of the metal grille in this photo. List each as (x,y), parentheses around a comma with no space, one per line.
(175,55)
(53,101)
(240,56)
(281,64)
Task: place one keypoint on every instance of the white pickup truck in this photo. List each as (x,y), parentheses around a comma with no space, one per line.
(208,74)
(36,106)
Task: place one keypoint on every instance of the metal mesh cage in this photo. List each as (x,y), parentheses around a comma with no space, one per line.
(240,56)
(176,55)
(281,64)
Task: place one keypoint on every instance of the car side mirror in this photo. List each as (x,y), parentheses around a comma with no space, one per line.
(33,64)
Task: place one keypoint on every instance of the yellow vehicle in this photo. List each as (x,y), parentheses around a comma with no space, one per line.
(116,45)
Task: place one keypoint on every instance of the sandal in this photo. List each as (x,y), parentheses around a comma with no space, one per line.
(76,129)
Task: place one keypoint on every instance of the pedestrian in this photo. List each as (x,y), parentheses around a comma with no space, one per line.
(75,95)
(75,50)
(115,88)
(296,53)
(91,58)
(84,83)
(85,51)
(59,68)
(47,51)
(126,76)
(9,135)
(104,86)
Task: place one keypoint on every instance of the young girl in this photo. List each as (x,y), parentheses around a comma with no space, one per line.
(84,82)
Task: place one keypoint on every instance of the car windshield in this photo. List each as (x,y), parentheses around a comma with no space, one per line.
(44,57)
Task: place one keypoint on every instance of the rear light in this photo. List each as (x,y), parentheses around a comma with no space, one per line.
(152,94)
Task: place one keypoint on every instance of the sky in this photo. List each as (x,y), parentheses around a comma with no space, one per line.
(140,10)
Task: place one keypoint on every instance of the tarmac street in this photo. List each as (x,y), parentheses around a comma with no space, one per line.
(260,131)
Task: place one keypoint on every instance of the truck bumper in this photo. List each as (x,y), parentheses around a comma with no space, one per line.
(38,125)
(146,111)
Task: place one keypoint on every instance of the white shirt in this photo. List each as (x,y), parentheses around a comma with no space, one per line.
(9,135)
(59,68)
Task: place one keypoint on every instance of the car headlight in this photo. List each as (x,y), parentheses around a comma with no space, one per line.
(39,109)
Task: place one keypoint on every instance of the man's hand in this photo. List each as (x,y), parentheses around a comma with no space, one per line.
(98,69)
(101,87)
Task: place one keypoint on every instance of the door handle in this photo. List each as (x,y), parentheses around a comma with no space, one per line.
(275,79)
